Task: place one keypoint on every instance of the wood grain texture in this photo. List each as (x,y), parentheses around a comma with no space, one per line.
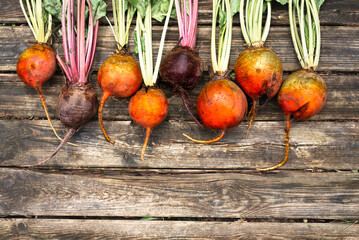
(327,145)
(19,100)
(332,12)
(227,195)
(340,46)
(122,229)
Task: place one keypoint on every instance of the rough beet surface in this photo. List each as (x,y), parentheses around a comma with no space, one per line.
(36,65)
(77,104)
(303,94)
(259,72)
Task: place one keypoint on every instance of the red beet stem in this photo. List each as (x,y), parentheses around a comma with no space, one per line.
(186,104)
(68,135)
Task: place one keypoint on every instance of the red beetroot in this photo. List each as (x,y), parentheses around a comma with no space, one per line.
(77,102)
(148,108)
(259,72)
(220,105)
(182,69)
(119,75)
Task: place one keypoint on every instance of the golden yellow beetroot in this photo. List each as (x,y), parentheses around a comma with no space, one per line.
(119,75)
(304,92)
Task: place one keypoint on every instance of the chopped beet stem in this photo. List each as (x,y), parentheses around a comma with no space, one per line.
(104,98)
(288,123)
(68,135)
(252,113)
(148,133)
(185,103)
(208,141)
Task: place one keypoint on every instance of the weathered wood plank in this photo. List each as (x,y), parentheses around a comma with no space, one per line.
(340,46)
(123,229)
(327,145)
(332,12)
(17,99)
(227,195)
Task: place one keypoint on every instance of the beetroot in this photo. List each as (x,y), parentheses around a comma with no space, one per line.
(304,92)
(259,71)
(220,105)
(119,75)
(77,102)
(182,67)
(148,108)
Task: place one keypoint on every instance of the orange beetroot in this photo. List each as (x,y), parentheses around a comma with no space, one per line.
(148,108)
(220,105)
(36,65)
(119,75)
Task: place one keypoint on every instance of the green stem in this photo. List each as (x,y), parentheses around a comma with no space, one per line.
(27,19)
(163,37)
(267,25)
(294,33)
(310,31)
(302,33)
(317,38)
(241,20)
(213,36)
(139,46)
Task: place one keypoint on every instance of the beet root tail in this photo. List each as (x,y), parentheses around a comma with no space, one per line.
(104,98)
(148,133)
(208,141)
(68,135)
(42,98)
(185,103)
(252,114)
(286,149)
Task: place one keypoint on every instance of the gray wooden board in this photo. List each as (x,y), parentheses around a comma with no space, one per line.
(19,100)
(125,229)
(332,12)
(226,195)
(327,145)
(340,46)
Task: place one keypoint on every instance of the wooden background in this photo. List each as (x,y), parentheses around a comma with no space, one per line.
(184,190)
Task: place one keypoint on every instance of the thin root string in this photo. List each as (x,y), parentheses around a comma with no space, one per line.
(209,141)
(148,133)
(104,98)
(42,98)
(286,149)
(185,103)
(68,135)
(252,113)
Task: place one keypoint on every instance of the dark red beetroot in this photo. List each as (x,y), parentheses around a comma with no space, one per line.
(119,75)
(77,102)
(148,108)
(259,72)
(302,95)
(36,65)
(76,105)
(220,105)
(182,69)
